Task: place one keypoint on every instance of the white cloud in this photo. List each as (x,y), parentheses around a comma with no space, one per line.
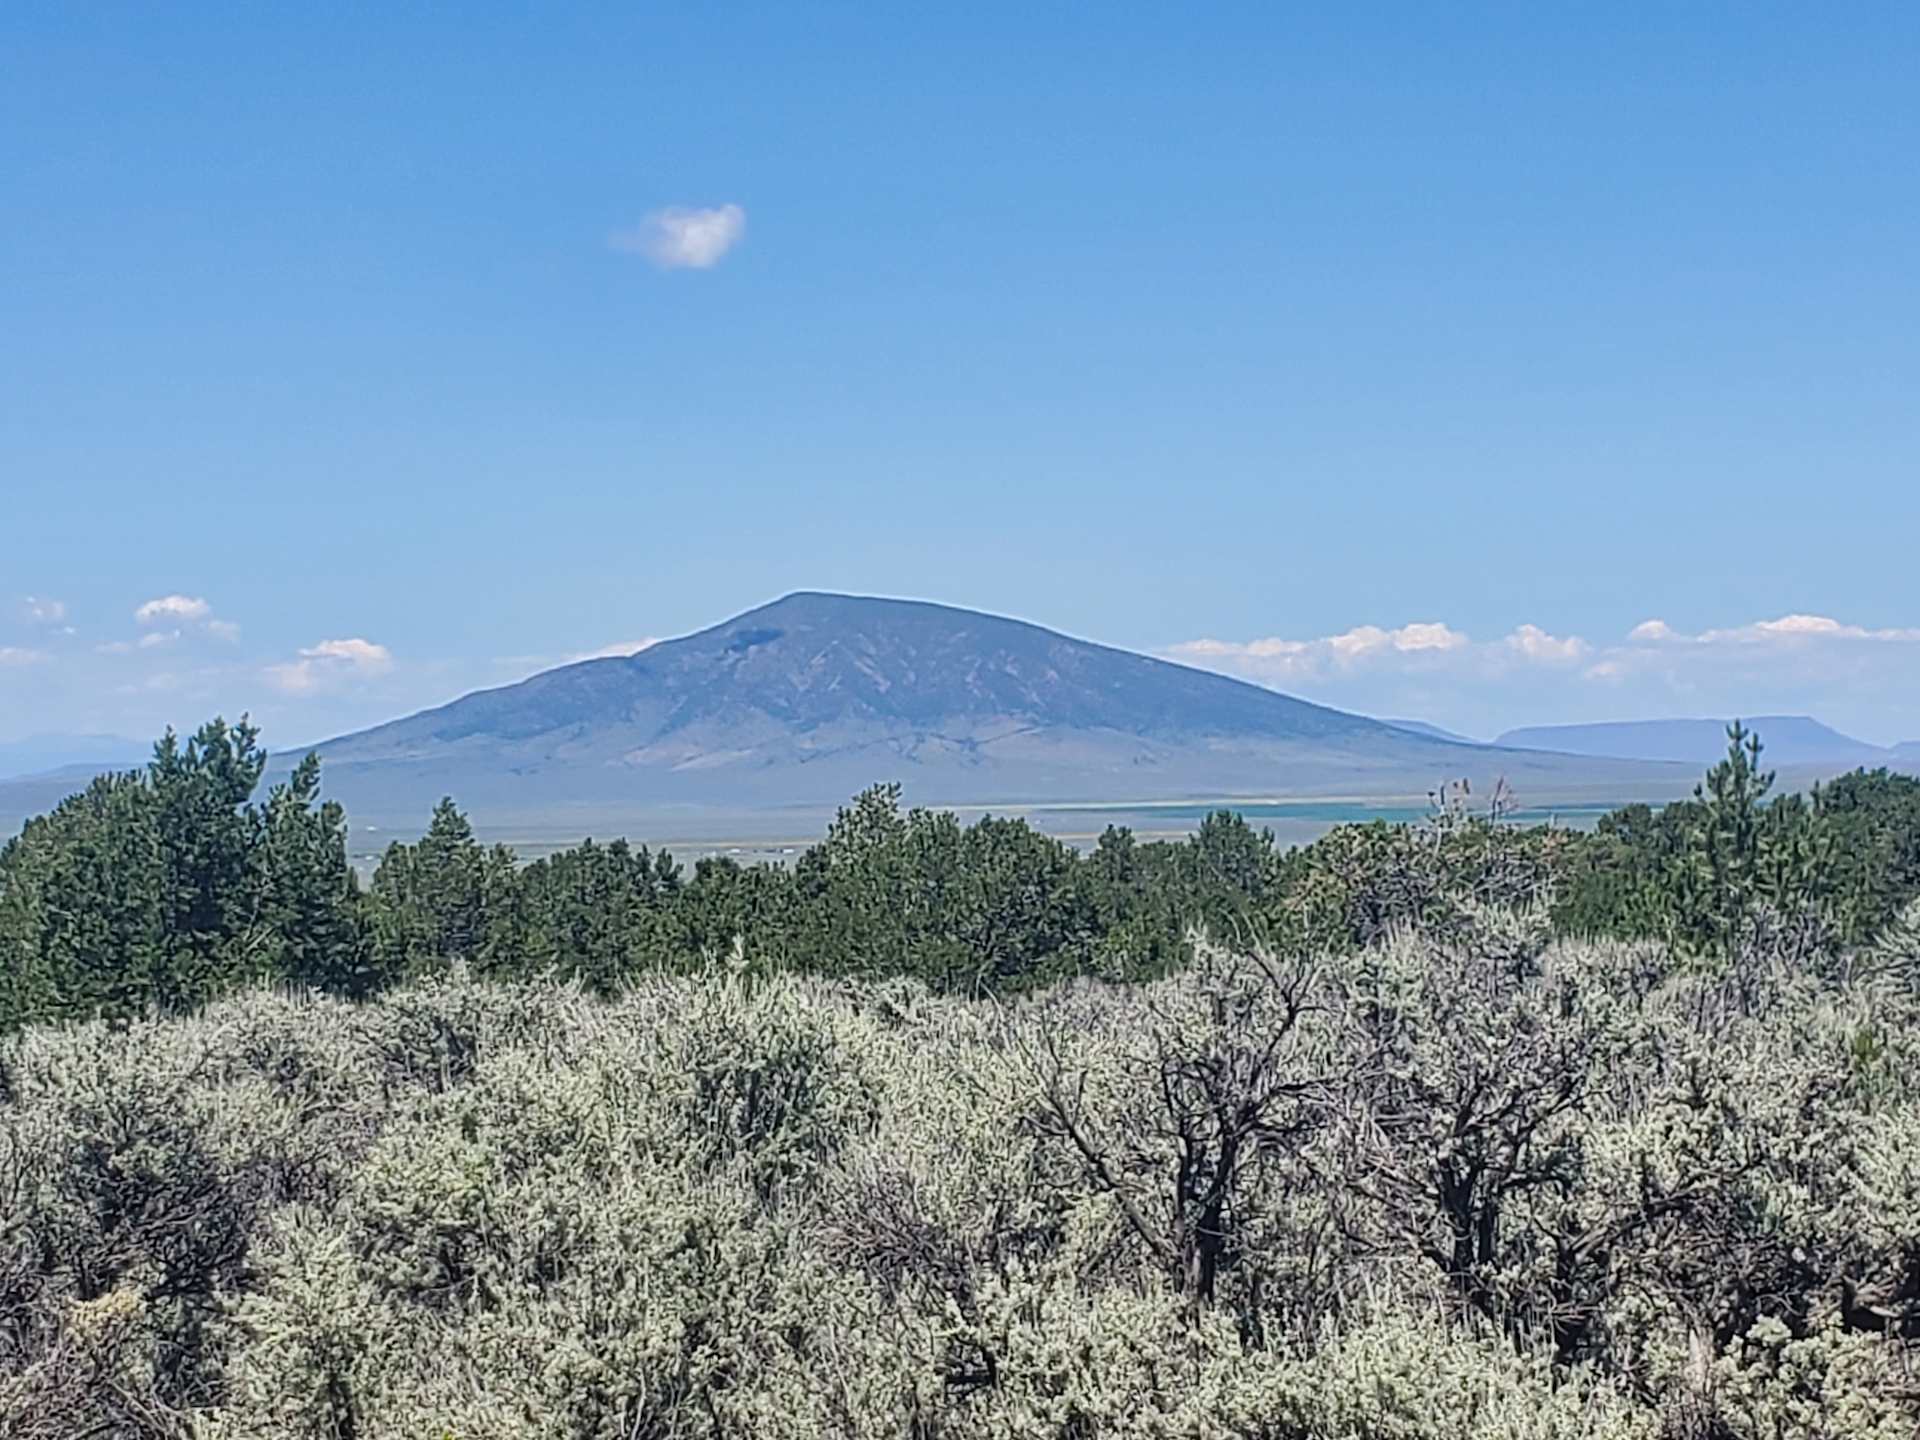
(363,653)
(1532,643)
(679,238)
(172,607)
(1806,627)
(42,611)
(181,615)
(1786,629)
(1426,636)
(1371,639)
(330,662)
(17,655)
(1796,658)
(1796,663)
(1815,644)
(1278,658)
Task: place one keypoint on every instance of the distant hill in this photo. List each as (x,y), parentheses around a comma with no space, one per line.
(788,710)
(803,702)
(1434,732)
(1792,740)
(1906,755)
(38,754)
(28,795)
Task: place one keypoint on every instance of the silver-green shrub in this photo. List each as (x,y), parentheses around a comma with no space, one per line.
(1464,1183)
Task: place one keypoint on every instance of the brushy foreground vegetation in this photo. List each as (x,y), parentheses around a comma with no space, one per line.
(1485,1185)
(1458,1130)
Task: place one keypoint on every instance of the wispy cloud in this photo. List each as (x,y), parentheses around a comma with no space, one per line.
(328,663)
(42,611)
(1785,629)
(20,655)
(1796,662)
(172,608)
(1275,658)
(181,615)
(682,238)
(1806,647)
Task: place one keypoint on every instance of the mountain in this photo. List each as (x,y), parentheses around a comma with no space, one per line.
(1794,740)
(38,754)
(1906,756)
(764,724)
(1431,731)
(801,703)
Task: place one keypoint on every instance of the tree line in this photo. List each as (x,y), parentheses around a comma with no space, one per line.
(159,890)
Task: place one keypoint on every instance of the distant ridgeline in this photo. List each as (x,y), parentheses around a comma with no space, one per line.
(157,890)
(802,702)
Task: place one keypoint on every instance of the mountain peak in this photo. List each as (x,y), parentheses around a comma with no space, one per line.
(859,612)
(810,697)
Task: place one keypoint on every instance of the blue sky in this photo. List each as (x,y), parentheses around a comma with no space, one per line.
(1409,357)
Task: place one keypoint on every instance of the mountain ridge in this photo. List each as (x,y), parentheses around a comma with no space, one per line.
(1002,684)
(794,705)
(806,699)
(1433,731)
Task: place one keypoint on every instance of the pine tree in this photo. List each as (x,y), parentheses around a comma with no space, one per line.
(436,901)
(1743,852)
(309,895)
(209,843)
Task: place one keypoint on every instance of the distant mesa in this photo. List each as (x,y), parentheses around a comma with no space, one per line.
(1790,740)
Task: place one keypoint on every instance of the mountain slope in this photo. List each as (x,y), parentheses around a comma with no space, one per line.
(1789,740)
(812,667)
(1432,731)
(802,702)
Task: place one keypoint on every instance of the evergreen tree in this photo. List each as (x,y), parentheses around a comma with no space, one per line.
(83,918)
(309,895)
(209,843)
(1742,852)
(443,899)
